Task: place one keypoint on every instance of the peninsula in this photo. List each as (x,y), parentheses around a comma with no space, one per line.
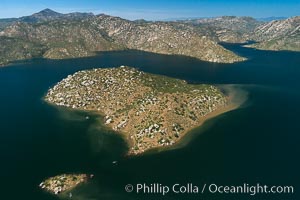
(148,110)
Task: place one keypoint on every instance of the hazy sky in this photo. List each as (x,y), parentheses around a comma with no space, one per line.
(156,9)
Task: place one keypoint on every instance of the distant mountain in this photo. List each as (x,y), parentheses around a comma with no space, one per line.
(48,15)
(279,35)
(71,37)
(268,19)
(241,24)
(175,19)
(42,16)
(228,28)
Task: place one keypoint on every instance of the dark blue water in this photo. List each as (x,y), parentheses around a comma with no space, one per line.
(258,143)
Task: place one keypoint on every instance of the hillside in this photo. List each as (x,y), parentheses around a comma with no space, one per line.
(69,37)
(17,49)
(279,35)
(227,28)
(54,35)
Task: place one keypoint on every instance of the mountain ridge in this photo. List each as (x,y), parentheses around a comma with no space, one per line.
(66,37)
(41,16)
(54,35)
(278,35)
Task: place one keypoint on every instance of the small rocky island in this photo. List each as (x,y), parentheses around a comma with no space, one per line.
(148,110)
(62,183)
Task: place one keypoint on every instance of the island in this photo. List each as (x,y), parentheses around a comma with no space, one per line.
(149,110)
(64,182)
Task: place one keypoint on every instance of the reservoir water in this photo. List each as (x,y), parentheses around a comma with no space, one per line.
(257,143)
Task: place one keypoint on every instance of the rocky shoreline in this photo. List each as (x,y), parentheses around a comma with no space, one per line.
(65,182)
(149,110)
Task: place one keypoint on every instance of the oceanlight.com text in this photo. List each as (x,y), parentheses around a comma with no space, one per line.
(190,188)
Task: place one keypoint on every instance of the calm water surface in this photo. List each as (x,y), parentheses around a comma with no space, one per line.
(258,143)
